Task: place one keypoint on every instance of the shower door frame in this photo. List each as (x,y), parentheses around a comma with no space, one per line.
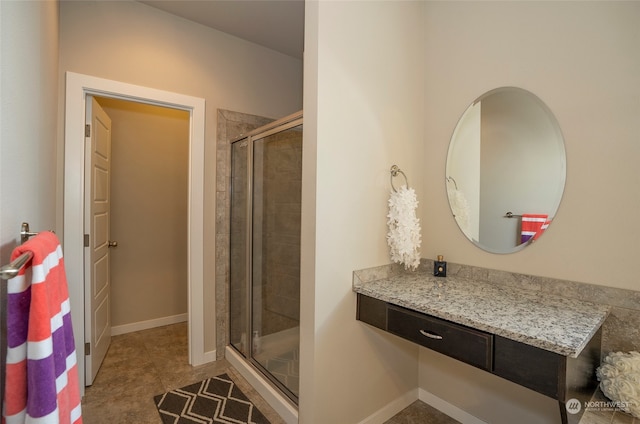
(280,125)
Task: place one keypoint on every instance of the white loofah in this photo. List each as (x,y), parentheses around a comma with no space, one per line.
(619,376)
(404,228)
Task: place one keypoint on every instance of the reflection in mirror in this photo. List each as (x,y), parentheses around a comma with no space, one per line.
(506,170)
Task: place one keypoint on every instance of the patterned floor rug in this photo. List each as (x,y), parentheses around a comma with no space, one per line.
(216,400)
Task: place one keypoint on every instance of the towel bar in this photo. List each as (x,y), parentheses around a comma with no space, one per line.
(12,269)
(512,215)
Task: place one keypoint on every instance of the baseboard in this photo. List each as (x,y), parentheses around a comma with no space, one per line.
(392,408)
(277,401)
(209,357)
(448,408)
(145,325)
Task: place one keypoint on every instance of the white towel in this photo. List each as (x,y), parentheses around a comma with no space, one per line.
(404,228)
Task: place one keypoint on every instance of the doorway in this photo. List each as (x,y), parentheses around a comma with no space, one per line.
(78,87)
(149,182)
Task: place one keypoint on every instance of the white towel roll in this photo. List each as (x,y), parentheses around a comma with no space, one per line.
(404,237)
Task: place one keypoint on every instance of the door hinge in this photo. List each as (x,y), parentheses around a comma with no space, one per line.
(87,349)
(87,130)
(86,240)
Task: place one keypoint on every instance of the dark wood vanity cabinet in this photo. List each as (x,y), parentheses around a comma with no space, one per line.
(529,366)
(551,374)
(465,344)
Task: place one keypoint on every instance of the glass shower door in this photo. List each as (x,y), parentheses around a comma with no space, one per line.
(264,263)
(277,191)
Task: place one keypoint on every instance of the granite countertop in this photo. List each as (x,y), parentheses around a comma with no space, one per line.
(557,324)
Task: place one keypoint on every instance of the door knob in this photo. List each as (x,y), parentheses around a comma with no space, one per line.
(112,243)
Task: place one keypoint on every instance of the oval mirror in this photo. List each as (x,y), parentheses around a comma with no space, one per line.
(506,170)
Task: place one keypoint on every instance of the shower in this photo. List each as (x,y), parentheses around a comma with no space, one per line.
(264,251)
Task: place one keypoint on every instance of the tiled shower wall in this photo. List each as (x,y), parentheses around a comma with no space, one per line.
(282,185)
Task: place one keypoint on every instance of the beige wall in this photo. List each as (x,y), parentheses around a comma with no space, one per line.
(149,182)
(130,42)
(364,111)
(28,120)
(582,60)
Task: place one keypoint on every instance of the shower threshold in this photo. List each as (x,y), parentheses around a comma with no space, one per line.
(266,388)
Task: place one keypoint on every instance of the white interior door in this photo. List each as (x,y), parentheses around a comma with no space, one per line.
(96,229)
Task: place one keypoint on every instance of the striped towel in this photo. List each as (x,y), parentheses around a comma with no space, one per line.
(42,384)
(533,224)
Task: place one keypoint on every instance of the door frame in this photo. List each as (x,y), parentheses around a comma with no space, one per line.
(78,86)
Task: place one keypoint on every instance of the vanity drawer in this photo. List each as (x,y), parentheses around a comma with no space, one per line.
(457,341)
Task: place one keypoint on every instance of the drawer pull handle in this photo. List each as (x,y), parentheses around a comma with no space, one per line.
(430,335)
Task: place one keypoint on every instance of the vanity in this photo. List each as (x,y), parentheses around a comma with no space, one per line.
(546,343)
(505,176)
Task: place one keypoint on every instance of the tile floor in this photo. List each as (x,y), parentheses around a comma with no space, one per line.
(604,416)
(421,413)
(146,363)
(143,364)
